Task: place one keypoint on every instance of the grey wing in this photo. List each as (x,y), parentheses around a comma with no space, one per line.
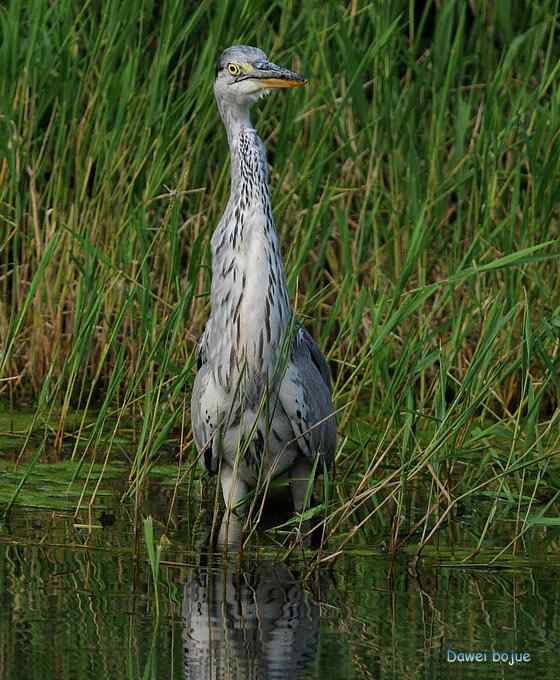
(305,395)
(317,356)
(204,418)
(200,351)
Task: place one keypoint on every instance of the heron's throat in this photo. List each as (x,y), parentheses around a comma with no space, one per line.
(236,117)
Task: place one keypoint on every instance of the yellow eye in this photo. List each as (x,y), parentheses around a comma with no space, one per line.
(233,69)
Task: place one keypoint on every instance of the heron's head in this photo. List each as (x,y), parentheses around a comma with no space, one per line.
(244,74)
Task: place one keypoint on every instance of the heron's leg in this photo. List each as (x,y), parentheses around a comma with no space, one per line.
(233,490)
(301,477)
(302,486)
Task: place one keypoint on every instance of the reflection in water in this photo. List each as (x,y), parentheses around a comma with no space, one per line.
(85,611)
(250,624)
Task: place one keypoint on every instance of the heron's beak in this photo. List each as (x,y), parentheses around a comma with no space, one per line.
(271,76)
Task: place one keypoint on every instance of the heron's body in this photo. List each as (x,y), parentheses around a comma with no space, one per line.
(261,402)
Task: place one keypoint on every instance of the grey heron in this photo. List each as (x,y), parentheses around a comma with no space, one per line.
(261,402)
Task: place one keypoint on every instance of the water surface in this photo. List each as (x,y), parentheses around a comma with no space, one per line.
(76,604)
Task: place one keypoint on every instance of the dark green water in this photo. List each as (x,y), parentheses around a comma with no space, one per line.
(75,604)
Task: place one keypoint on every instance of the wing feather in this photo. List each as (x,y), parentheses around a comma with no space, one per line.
(305,396)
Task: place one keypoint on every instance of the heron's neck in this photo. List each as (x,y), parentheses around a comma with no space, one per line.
(247,154)
(236,119)
(250,306)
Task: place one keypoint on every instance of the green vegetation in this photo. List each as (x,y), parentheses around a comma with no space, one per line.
(416,187)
